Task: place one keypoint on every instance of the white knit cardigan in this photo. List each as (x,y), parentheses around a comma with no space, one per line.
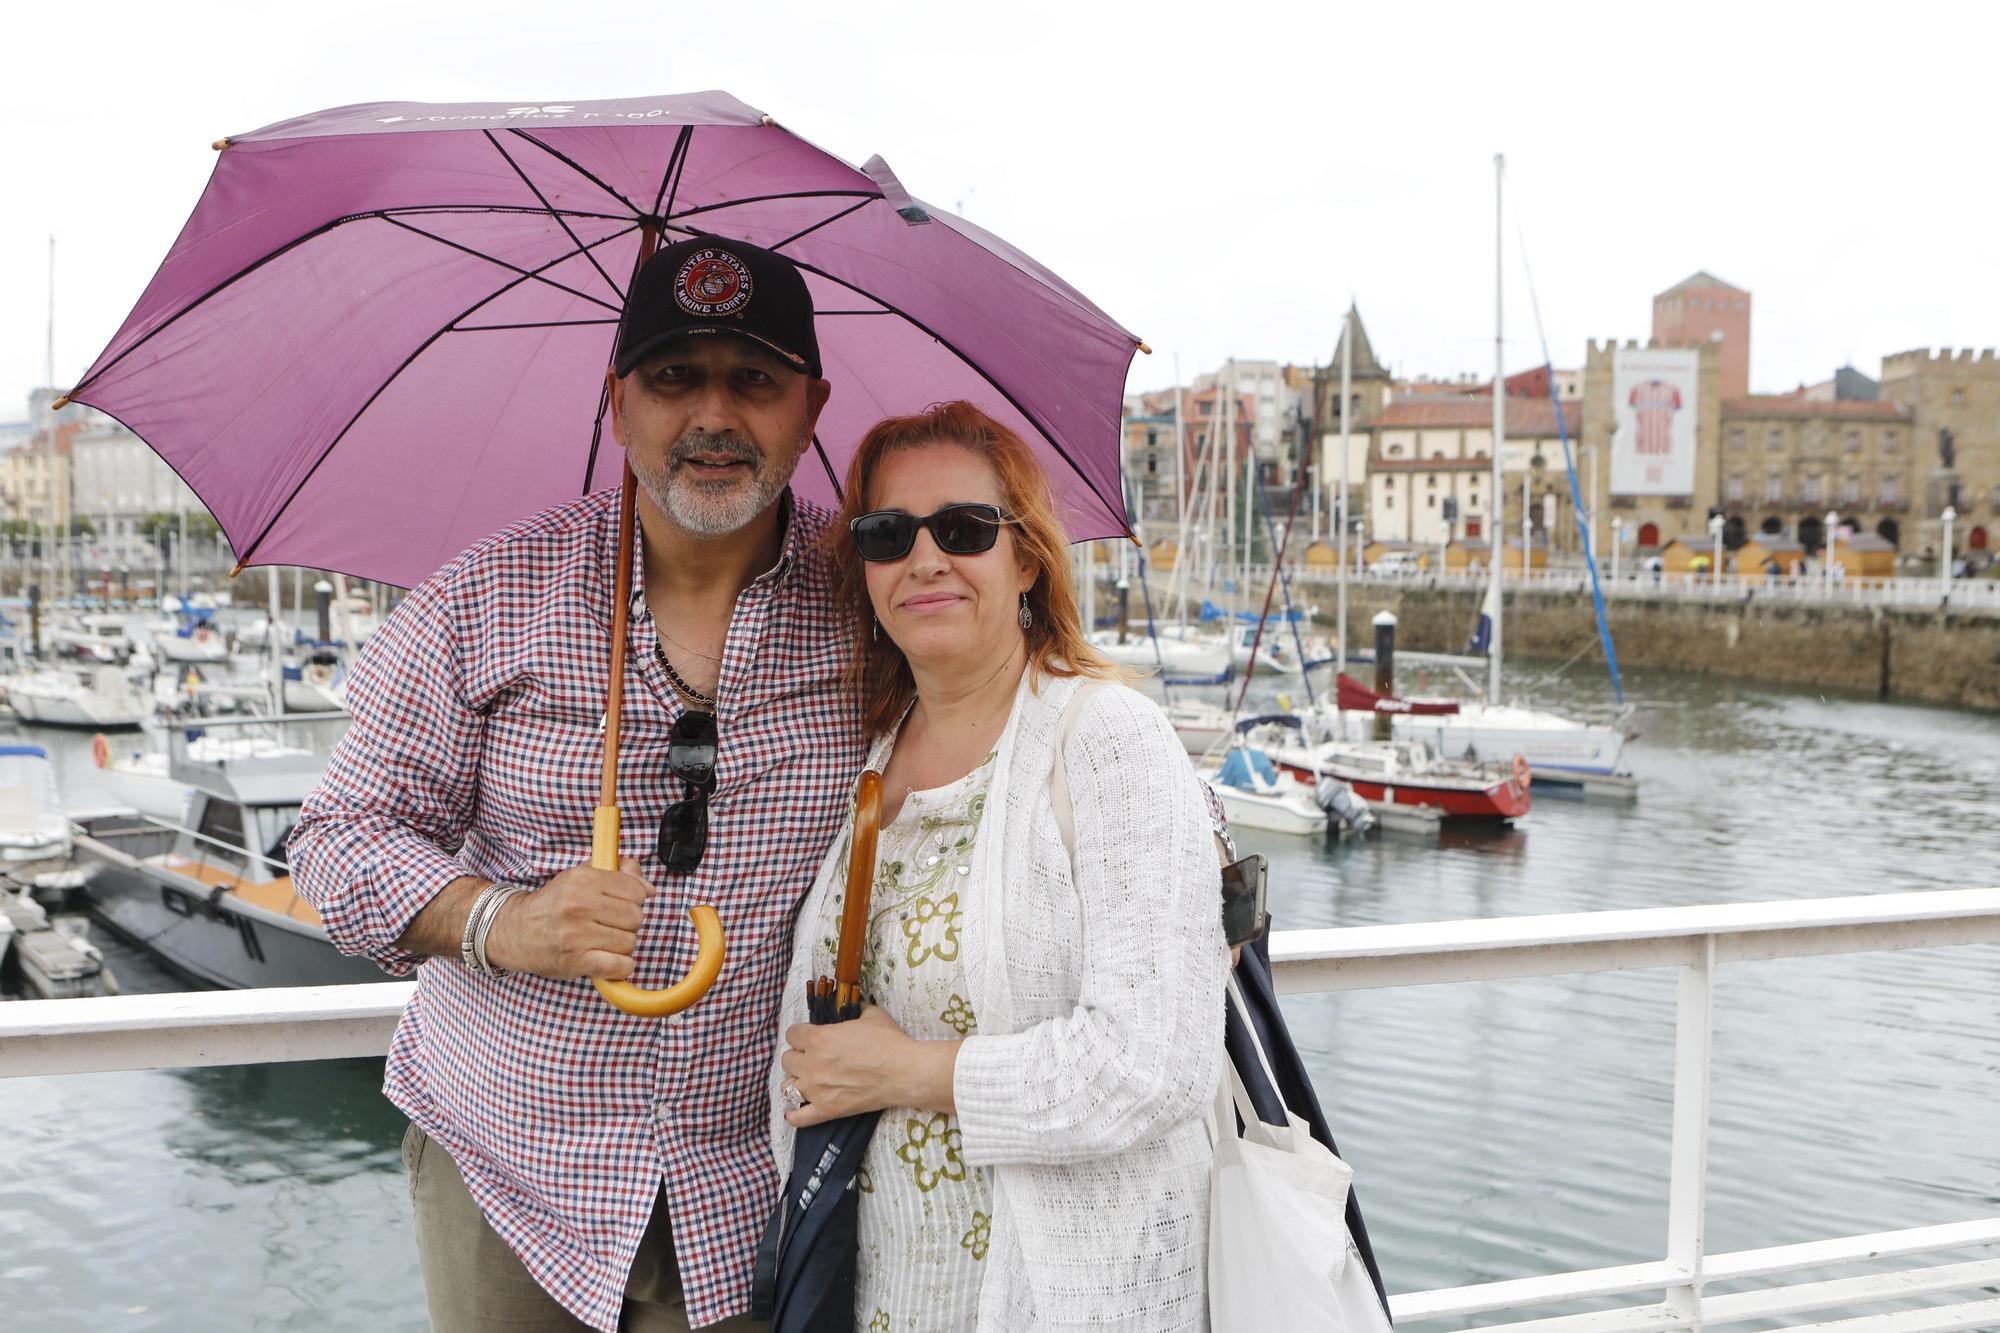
(1098,997)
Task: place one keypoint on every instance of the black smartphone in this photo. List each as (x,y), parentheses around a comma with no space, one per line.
(1243,915)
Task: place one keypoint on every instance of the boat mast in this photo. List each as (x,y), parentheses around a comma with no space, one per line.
(1340,502)
(1180,496)
(1496,529)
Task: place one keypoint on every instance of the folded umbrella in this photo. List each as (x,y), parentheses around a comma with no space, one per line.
(806,1262)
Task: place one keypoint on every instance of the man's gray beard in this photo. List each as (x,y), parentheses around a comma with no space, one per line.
(705,508)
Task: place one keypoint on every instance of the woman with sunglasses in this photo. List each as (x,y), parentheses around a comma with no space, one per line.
(1044,1033)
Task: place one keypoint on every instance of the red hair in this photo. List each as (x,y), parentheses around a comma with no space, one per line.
(877,670)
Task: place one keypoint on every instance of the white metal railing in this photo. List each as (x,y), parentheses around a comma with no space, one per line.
(1968,596)
(329,1022)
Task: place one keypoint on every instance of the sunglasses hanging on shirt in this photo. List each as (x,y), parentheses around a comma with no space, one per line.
(684,824)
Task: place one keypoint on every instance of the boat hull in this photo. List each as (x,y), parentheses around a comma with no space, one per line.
(1581,749)
(1498,800)
(47,711)
(210,936)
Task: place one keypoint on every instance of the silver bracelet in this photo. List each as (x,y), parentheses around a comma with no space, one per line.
(471,944)
(471,925)
(486,927)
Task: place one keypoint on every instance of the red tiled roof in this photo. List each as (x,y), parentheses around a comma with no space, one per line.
(1527,418)
(1792,407)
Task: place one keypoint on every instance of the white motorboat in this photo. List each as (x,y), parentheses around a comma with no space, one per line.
(34,831)
(53,960)
(142,778)
(100,698)
(1168,655)
(188,632)
(317,683)
(91,638)
(211,894)
(1201,726)
(1558,749)
(1257,795)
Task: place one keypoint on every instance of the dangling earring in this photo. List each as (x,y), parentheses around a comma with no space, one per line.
(1027,616)
(875,632)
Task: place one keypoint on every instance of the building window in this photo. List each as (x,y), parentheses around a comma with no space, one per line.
(1774,488)
(1431,482)
(1854,442)
(1388,499)
(1852,493)
(1777,440)
(1431,502)
(1735,491)
(1395,451)
(1889,442)
(1809,492)
(1736,437)
(1890,493)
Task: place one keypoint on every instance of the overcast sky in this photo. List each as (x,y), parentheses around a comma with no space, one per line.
(1220,178)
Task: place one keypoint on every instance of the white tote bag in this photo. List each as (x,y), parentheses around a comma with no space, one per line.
(1279,1256)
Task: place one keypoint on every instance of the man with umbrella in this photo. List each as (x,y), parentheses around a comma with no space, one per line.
(564,1156)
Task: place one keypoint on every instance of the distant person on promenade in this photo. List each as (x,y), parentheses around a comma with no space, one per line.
(1045,1032)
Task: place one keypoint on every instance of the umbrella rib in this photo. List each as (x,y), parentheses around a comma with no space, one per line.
(977,369)
(676,161)
(536,274)
(865,196)
(823,222)
(838,496)
(334,443)
(560,220)
(580,170)
(384,215)
(549,324)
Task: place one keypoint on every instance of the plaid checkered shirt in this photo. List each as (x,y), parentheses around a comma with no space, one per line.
(475,749)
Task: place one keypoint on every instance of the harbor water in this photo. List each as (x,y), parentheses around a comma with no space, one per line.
(1497,1130)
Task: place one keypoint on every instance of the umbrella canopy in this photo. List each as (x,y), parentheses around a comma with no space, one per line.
(383,332)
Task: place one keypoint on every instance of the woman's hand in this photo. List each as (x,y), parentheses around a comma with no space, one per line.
(865,1064)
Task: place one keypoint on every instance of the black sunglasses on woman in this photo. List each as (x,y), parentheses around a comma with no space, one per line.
(958,529)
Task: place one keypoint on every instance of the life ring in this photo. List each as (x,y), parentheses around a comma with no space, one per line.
(1523,775)
(100,750)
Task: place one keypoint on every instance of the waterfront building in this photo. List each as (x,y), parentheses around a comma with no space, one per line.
(1429,448)
(1702,309)
(1649,513)
(1787,460)
(1954,402)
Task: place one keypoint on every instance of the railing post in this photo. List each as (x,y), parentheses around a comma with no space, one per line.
(1687,1196)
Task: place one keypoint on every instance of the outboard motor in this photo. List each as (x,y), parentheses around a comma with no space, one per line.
(1345,804)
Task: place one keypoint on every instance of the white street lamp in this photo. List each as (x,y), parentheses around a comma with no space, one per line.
(1950,516)
(1832,535)
(1617,541)
(1715,531)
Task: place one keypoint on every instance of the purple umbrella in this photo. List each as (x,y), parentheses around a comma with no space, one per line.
(383,335)
(383,332)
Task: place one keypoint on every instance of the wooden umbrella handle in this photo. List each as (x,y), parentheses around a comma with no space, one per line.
(860,881)
(605,827)
(708,933)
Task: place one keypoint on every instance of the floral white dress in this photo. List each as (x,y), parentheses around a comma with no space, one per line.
(925,1214)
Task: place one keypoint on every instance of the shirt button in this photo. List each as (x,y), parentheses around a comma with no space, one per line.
(663,1113)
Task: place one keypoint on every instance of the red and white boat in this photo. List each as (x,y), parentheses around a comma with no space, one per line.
(1407,772)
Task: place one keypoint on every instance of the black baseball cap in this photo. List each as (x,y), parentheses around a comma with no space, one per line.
(710,285)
